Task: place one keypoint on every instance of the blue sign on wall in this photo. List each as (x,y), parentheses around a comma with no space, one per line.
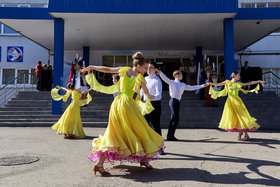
(15,54)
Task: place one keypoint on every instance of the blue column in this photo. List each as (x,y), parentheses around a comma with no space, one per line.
(86,55)
(58,60)
(199,57)
(229,47)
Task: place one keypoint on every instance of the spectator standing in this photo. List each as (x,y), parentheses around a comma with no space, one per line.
(245,74)
(44,78)
(192,73)
(38,69)
(184,71)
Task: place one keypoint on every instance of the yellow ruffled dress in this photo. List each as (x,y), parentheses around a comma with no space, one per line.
(128,136)
(235,114)
(70,122)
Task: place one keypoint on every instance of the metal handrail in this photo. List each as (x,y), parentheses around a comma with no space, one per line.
(13,79)
(8,95)
(273,82)
(272,74)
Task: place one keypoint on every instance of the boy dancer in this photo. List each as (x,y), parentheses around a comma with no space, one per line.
(154,86)
(176,90)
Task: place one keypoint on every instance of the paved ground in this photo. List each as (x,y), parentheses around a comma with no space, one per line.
(202,158)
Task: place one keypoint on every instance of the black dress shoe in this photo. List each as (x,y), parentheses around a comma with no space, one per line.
(172,139)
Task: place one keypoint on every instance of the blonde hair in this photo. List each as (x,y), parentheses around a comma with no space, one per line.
(177,72)
(138,59)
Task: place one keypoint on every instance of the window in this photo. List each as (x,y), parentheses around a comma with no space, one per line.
(10,5)
(261,5)
(247,5)
(24,5)
(273,4)
(37,5)
(108,61)
(33,77)
(7,30)
(120,61)
(130,60)
(23,76)
(8,75)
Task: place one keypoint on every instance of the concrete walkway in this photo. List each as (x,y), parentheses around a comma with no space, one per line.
(202,158)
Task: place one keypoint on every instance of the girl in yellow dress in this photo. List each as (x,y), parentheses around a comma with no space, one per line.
(70,123)
(128,136)
(235,115)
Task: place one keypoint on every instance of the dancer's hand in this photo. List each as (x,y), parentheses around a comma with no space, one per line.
(157,70)
(151,97)
(58,87)
(208,84)
(83,70)
(262,82)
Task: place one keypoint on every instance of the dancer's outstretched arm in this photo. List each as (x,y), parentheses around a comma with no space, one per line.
(103,69)
(146,91)
(253,82)
(196,87)
(59,87)
(163,77)
(87,91)
(219,84)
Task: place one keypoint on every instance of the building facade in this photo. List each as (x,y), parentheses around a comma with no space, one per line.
(109,32)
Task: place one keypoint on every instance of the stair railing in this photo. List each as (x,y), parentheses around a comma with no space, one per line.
(11,89)
(272,82)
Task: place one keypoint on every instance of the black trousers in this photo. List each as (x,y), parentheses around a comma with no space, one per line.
(174,105)
(153,118)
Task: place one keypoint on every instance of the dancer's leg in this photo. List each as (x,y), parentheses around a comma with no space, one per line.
(239,135)
(98,167)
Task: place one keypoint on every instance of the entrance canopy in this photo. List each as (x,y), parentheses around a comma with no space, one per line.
(142,24)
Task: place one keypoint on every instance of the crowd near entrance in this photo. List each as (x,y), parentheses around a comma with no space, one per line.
(187,65)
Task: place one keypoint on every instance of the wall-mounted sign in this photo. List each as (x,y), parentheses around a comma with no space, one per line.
(15,54)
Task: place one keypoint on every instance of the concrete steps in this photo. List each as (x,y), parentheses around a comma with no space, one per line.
(34,109)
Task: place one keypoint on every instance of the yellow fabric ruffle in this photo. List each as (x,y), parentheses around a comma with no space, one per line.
(94,84)
(229,85)
(57,97)
(215,94)
(145,107)
(256,90)
(123,70)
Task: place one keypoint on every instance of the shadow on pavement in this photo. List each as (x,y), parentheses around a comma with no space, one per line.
(261,142)
(230,178)
(84,138)
(193,174)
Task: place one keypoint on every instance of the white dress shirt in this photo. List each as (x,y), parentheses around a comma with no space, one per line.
(78,82)
(154,86)
(177,88)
